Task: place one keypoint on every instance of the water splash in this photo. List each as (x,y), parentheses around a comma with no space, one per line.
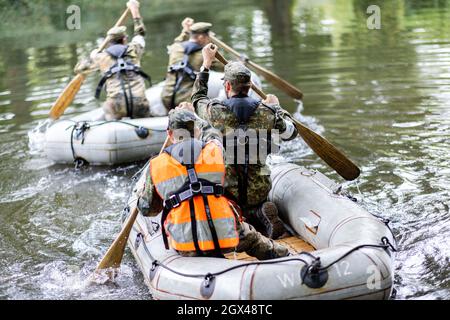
(36,137)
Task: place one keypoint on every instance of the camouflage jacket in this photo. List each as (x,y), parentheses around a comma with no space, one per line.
(223,120)
(176,54)
(103,61)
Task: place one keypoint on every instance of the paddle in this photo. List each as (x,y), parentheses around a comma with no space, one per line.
(68,94)
(114,255)
(268,75)
(322,147)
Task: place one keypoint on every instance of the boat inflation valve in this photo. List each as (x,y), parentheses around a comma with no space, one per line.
(153,270)
(313,276)
(142,132)
(125,212)
(208,286)
(139,239)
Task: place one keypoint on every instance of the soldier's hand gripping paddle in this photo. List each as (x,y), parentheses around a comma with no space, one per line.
(70,91)
(113,257)
(281,84)
(321,146)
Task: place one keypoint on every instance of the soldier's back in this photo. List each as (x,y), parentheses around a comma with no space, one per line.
(223,119)
(176,55)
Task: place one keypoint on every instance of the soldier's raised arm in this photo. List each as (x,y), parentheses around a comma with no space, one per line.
(199,97)
(138,41)
(186,28)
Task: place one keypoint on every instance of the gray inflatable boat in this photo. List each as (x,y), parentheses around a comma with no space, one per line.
(88,138)
(340,251)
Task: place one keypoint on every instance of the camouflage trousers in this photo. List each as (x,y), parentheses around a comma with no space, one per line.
(183,94)
(116,108)
(253,243)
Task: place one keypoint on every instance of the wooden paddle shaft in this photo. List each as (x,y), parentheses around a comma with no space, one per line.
(119,22)
(70,91)
(270,76)
(114,255)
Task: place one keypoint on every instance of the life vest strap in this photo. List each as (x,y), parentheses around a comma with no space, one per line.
(183,68)
(118,52)
(116,69)
(191,190)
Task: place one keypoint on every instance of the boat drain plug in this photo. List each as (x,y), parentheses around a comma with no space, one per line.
(208,286)
(313,276)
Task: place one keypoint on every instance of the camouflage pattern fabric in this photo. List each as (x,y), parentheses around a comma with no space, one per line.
(176,54)
(222,119)
(116,108)
(253,243)
(113,85)
(115,102)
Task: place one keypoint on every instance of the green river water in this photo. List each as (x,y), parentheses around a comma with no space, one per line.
(380,95)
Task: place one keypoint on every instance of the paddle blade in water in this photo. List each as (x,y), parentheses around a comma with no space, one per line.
(113,256)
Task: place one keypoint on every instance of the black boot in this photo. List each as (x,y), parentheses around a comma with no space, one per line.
(272,225)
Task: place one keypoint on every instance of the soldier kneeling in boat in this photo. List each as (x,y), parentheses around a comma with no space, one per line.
(185,60)
(186,183)
(248,126)
(120,66)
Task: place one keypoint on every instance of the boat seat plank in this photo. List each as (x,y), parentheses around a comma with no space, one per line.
(294,244)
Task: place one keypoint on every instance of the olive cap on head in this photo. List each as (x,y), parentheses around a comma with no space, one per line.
(200,27)
(184,119)
(117,33)
(236,71)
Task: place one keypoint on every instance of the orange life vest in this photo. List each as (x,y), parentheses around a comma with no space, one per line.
(196,215)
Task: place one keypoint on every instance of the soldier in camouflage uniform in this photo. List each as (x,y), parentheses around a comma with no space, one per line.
(247,182)
(150,204)
(125,91)
(185,60)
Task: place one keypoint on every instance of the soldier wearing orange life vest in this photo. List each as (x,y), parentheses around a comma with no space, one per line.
(186,182)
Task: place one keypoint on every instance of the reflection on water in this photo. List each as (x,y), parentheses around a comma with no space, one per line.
(381,95)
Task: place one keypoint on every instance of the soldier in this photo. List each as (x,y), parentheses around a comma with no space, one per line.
(185,60)
(248,178)
(186,182)
(120,67)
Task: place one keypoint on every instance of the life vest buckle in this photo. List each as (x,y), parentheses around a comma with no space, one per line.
(196,187)
(172,202)
(219,190)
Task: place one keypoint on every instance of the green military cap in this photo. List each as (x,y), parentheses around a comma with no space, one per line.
(117,33)
(237,72)
(184,119)
(200,27)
